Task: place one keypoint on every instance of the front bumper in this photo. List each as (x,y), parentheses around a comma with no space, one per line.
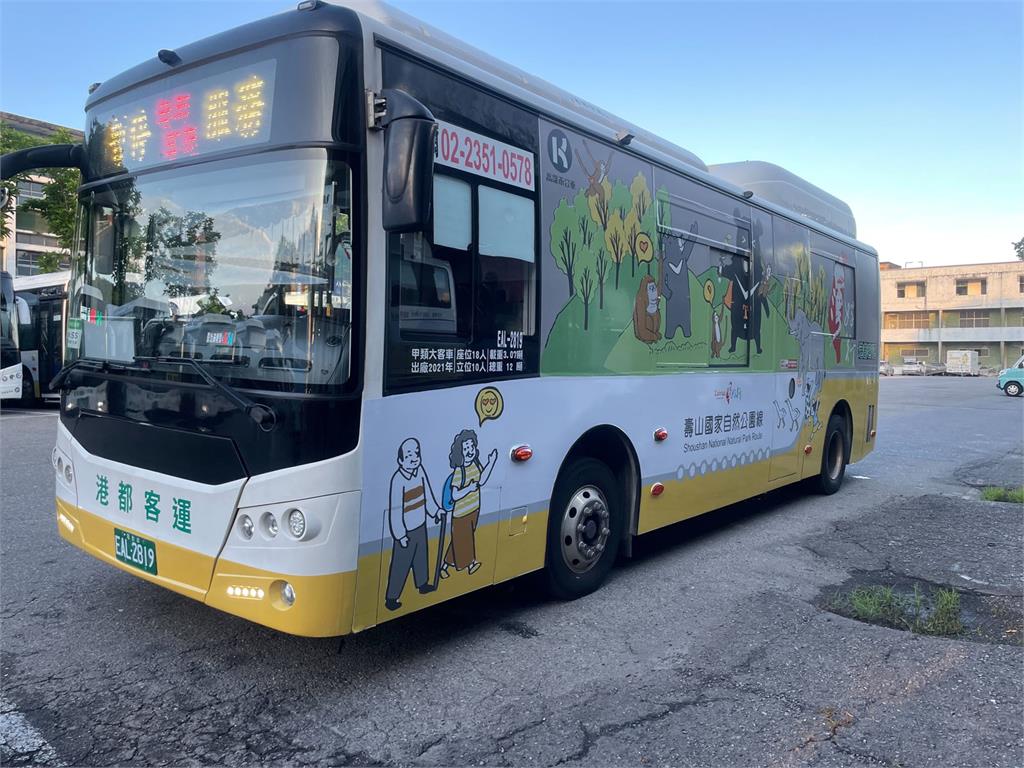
(323,604)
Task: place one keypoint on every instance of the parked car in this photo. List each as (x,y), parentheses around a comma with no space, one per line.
(885,368)
(934,369)
(915,368)
(1011,380)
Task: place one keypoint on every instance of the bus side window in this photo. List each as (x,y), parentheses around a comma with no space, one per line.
(463,297)
(505,292)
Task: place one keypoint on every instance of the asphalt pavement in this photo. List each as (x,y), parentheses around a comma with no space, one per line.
(711,647)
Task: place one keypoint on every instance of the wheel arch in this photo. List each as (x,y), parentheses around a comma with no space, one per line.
(842,408)
(609,444)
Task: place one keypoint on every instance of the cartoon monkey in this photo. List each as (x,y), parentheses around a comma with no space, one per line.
(647,312)
(596,177)
(716,334)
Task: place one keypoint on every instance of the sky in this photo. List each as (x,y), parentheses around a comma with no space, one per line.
(911,112)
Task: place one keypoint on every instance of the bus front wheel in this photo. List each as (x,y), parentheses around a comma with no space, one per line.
(28,389)
(834,457)
(584,529)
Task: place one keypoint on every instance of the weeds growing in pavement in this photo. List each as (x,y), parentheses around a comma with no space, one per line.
(995,493)
(937,614)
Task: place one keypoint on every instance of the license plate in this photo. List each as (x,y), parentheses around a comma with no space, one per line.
(135,551)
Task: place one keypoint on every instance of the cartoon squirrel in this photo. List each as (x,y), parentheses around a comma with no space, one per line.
(716,334)
(647,312)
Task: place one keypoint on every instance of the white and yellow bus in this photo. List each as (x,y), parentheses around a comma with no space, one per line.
(363,319)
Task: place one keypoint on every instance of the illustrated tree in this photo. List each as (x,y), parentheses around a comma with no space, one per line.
(565,241)
(601,267)
(638,221)
(601,205)
(586,294)
(616,242)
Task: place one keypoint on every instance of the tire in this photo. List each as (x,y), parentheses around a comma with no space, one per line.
(834,457)
(578,561)
(1013,389)
(28,390)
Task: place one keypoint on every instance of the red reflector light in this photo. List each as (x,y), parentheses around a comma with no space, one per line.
(522,453)
(808,448)
(657,489)
(660,434)
(872,433)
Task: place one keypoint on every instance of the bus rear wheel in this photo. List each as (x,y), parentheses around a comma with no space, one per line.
(584,529)
(834,457)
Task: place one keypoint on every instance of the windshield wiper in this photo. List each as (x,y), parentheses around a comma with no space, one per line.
(264,416)
(98,366)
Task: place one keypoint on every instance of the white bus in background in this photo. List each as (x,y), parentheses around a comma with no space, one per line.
(42,305)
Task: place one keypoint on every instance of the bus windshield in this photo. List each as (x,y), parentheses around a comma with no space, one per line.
(243,265)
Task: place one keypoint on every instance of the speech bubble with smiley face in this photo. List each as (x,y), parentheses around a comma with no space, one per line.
(489,404)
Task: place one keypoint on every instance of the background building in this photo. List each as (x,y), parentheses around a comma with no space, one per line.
(29,231)
(927,311)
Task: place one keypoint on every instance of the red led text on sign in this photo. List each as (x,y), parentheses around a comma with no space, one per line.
(179,136)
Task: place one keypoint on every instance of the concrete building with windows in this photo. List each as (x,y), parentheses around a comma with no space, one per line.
(29,233)
(927,311)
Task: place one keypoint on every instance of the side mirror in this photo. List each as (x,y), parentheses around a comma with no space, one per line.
(409,135)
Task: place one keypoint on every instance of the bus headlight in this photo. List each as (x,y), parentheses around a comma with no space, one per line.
(288,594)
(296,523)
(245,525)
(269,523)
(68,474)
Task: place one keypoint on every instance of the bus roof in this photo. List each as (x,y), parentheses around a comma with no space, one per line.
(775,188)
(391,25)
(45,280)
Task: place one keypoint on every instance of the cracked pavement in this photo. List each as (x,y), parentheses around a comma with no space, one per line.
(706,649)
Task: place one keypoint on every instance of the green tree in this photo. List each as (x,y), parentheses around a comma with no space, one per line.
(12,140)
(1018,248)
(59,203)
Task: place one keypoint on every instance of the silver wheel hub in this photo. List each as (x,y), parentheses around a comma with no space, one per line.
(585,529)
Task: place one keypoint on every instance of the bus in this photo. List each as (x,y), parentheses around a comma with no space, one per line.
(11,379)
(41,335)
(362,319)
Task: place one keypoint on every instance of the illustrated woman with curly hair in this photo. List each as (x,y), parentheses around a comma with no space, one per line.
(468,477)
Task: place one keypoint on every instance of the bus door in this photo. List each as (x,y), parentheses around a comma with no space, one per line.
(51,347)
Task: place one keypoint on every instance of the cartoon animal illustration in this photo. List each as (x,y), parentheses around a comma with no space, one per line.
(675,287)
(780,422)
(410,502)
(463,487)
(759,301)
(836,302)
(812,394)
(794,417)
(596,177)
(812,356)
(717,342)
(647,311)
(737,298)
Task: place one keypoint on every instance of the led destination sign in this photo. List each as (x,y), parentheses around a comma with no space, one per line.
(228,110)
